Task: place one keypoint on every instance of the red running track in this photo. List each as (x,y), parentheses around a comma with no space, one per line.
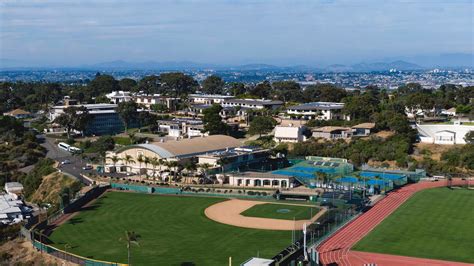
(336,249)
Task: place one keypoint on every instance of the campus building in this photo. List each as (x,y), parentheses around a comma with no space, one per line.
(182,127)
(290,133)
(252,103)
(444,134)
(174,150)
(18,114)
(149,100)
(318,111)
(234,158)
(104,119)
(263,180)
(208,99)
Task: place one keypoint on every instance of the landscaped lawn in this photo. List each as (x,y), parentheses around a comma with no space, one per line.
(281,211)
(435,223)
(172,230)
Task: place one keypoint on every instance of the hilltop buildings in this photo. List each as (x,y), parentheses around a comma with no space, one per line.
(445,134)
(318,111)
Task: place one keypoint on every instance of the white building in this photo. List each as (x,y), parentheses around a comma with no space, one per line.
(10,209)
(14,188)
(252,103)
(208,98)
(318,110)
(182,127)
(148,100)
(443,133)
(95,108)
(117,97)
(257,179)
(289,133)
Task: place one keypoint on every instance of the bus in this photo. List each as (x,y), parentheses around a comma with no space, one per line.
(64,146)
(69,148)
(74,150)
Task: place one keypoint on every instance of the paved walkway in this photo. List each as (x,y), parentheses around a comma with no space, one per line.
(336,249)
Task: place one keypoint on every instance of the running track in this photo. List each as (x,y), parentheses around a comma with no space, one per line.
(336,249)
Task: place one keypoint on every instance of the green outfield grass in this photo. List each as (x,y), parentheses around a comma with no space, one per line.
(172,230)
(435,223)
(281,211)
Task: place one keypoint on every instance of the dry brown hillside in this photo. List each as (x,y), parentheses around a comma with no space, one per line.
(50,188)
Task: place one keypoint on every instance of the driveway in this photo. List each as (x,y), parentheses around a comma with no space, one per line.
(74,168)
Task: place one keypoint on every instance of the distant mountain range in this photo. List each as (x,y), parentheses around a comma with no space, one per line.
(361,67)
(458,60)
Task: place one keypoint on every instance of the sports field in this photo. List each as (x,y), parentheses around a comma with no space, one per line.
(281,211)
(173,230)
(435,223)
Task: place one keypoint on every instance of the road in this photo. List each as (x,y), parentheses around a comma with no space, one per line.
(74,168)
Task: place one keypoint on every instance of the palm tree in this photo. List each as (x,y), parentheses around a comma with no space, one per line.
(323,177)
(131,238)
(154,162)
(146,160)
(140,160)
(174,165)
(115,159)
(128,159)
(204,167)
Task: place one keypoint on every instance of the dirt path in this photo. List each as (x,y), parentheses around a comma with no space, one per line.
(228,212)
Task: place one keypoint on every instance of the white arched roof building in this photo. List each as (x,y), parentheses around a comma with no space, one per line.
(171,150)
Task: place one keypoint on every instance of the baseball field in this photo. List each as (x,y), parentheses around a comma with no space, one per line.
(281,211)
(435,223)
(172,231)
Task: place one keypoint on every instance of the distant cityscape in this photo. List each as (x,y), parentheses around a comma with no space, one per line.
(389,79)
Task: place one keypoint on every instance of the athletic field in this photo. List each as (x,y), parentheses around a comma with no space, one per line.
(435,223)
(173,230)
(281,211)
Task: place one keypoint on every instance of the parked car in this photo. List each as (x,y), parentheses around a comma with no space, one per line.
(87,167)
(65,162)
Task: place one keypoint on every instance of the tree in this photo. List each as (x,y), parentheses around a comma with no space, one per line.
(103,84)
(213,85)
(146,161)
(213,121)
(287,91)
(262,90)
(154,163)
(261,125)
(469,138)
(361,106)
(150,85)
(127,112)
(140,160)
(322,177)
(127,84)
(130,238)
(128,159)
(237,88)
(324,92)
(159,108)
(177,84)
(174,166)
(73,118)
(115,159)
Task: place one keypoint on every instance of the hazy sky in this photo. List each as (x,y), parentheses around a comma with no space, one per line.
(73,32)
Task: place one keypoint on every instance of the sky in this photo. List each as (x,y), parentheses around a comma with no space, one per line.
(313,32)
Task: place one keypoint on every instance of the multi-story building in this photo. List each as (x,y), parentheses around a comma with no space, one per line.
(104,119)
(290,133)
(149,100)
(117,97)
(252,103)
(208,99)
(182,127)
(318,111)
